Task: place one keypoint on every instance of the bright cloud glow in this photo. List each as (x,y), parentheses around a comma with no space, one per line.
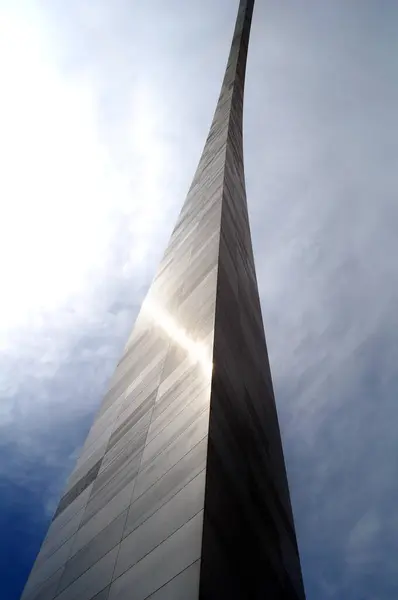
(56,181)
(61,195)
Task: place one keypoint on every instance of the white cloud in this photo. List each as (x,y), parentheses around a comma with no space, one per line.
(362,541)
(57,182)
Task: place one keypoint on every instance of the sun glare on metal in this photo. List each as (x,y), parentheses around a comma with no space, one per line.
(197,350)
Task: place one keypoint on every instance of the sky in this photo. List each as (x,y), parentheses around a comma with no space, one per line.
(104,110)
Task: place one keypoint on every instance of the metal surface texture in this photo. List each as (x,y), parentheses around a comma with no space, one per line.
(180,491)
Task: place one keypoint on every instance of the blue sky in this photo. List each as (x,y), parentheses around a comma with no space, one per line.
(103,112)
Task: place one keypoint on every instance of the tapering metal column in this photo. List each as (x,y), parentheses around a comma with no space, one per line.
(180,491)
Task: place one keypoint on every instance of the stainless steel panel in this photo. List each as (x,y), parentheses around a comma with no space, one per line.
(158,567)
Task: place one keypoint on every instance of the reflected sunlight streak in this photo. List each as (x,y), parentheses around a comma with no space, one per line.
(198,351)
